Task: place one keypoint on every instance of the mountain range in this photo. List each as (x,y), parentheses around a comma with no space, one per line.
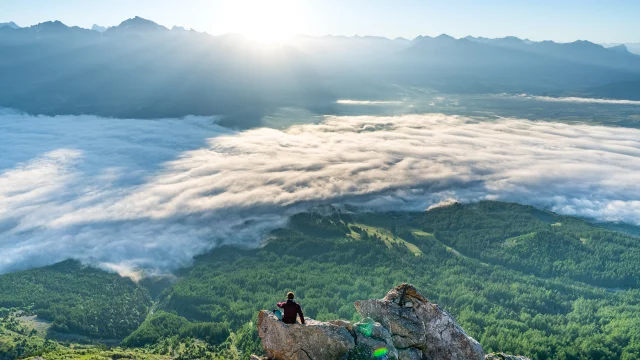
(142,69)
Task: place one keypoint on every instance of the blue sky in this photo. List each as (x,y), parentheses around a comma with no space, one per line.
(559,20)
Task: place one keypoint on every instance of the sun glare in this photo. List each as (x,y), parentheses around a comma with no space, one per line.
(272,21)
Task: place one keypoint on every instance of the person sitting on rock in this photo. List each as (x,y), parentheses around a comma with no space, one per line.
(291,310)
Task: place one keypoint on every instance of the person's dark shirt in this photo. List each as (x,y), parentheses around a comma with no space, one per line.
(291,309)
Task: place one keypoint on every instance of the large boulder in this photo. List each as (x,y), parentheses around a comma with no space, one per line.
(414,322)
(314,340)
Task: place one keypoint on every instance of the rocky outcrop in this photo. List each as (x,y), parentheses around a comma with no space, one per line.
(372,339)
(403,325)
(414,322)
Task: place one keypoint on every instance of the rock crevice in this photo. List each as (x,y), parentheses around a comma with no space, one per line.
(403,325)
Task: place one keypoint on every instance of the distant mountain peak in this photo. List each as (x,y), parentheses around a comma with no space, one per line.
(137,24)
(512,38)
(420,37)
(98,28)
(50,26)
(401,39)
(445,37)
(137,21)
(507,41)
(622,48)
(10,24)
(585,43)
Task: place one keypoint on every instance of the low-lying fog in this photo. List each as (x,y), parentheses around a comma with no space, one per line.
(128,194)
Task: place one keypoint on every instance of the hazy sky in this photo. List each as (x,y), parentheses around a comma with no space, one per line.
(560,20)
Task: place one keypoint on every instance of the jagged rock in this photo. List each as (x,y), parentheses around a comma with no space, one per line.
(372,338)
(407,330)
(256,357)
(424,325)
(501,356)
(313,341)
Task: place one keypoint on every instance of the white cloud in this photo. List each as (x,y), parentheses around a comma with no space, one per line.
(585,100)
(368,102)
(151,194)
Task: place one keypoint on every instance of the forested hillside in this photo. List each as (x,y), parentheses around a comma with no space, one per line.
(533,295)
(518,279)
(78,299)
(537,242)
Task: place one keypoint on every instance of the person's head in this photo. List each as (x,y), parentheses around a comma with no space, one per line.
(290,296)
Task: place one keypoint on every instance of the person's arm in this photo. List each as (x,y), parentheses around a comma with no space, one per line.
(281,304)
(301,314)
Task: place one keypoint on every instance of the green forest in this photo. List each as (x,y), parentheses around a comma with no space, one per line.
(78,299)
(518,279)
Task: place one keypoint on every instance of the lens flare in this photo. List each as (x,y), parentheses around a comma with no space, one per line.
(380,352)
(365,329)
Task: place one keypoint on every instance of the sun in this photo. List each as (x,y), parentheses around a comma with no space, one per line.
(266,21)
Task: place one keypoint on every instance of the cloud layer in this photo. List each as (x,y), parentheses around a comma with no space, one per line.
(368,102)
(132,194)
(581,100)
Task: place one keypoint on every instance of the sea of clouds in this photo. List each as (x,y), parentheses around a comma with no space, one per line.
(130,194)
